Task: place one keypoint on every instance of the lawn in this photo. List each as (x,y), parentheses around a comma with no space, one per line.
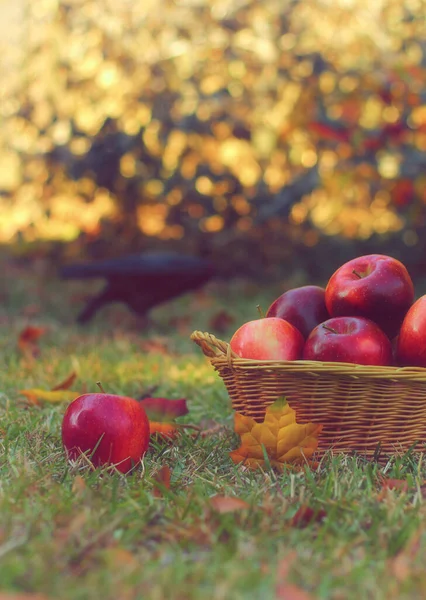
(68,532)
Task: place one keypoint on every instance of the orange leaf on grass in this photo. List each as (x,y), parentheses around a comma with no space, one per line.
(165,430)
(395,484)
(306,515)
(162,481)
(228,504)
(28,340)
(283,440)
(66,383)
(285,590)
(400,485)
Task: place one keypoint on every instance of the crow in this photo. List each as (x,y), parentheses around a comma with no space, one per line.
(141,281)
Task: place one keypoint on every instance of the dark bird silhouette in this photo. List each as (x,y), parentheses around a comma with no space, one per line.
(141,281)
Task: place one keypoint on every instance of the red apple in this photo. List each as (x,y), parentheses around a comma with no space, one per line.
(411,344)
(376,287)
(269,338)
(304,307)
(112,430)
(350,340)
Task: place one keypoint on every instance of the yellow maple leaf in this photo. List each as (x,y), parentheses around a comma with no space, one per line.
(283,440)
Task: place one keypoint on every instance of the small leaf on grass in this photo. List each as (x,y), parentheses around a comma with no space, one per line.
(170,430)
(306,516)
(53,397)
(165,430)
(395,484)
(228,504)
(402,564)
(67,383)
(286,590)
(283,440)
(400,485)
(291,591)
(162,481)
(28,340)
(164,409)
(78,485)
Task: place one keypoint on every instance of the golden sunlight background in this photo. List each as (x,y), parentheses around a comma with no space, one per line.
(161,120)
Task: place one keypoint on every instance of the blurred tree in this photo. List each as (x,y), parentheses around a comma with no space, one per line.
(221,128)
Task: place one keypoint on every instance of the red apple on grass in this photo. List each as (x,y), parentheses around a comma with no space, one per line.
(350,340)
(110,429)
(376,287)
(304,307)
(269,338)
(411,344)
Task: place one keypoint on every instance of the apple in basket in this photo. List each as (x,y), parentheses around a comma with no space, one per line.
(268,338)
(350,340)
(374,286)
(411,343)
(304,307)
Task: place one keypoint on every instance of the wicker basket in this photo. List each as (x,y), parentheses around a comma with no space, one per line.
(364,409)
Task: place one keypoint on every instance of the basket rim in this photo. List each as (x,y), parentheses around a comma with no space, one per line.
(220,352)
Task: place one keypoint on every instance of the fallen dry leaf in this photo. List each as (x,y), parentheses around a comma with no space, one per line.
(291,591)
(391,484)
(286,590)
(228,504)
(28,341)
(306,515)
(284,440)
(164,409)
(162,481)
(53,397)
(164,430)
(402,565)
(67,383)
(78,485)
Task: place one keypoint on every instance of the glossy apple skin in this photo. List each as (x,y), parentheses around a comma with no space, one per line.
(269,338)
(304,307)
(383,293)
(411,343)
(357,340)
(120,423)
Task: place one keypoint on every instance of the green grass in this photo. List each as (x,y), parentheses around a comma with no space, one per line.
(71,533)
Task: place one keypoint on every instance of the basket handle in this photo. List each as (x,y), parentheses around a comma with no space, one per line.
(211,346)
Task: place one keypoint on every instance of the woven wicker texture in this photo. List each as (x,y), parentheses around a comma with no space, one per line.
(359,406)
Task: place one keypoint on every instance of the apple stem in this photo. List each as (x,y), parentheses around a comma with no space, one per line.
(260,311)
(357,274)
(99,384)
(330,329)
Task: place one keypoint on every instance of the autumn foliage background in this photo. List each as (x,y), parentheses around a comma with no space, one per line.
(286,130)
